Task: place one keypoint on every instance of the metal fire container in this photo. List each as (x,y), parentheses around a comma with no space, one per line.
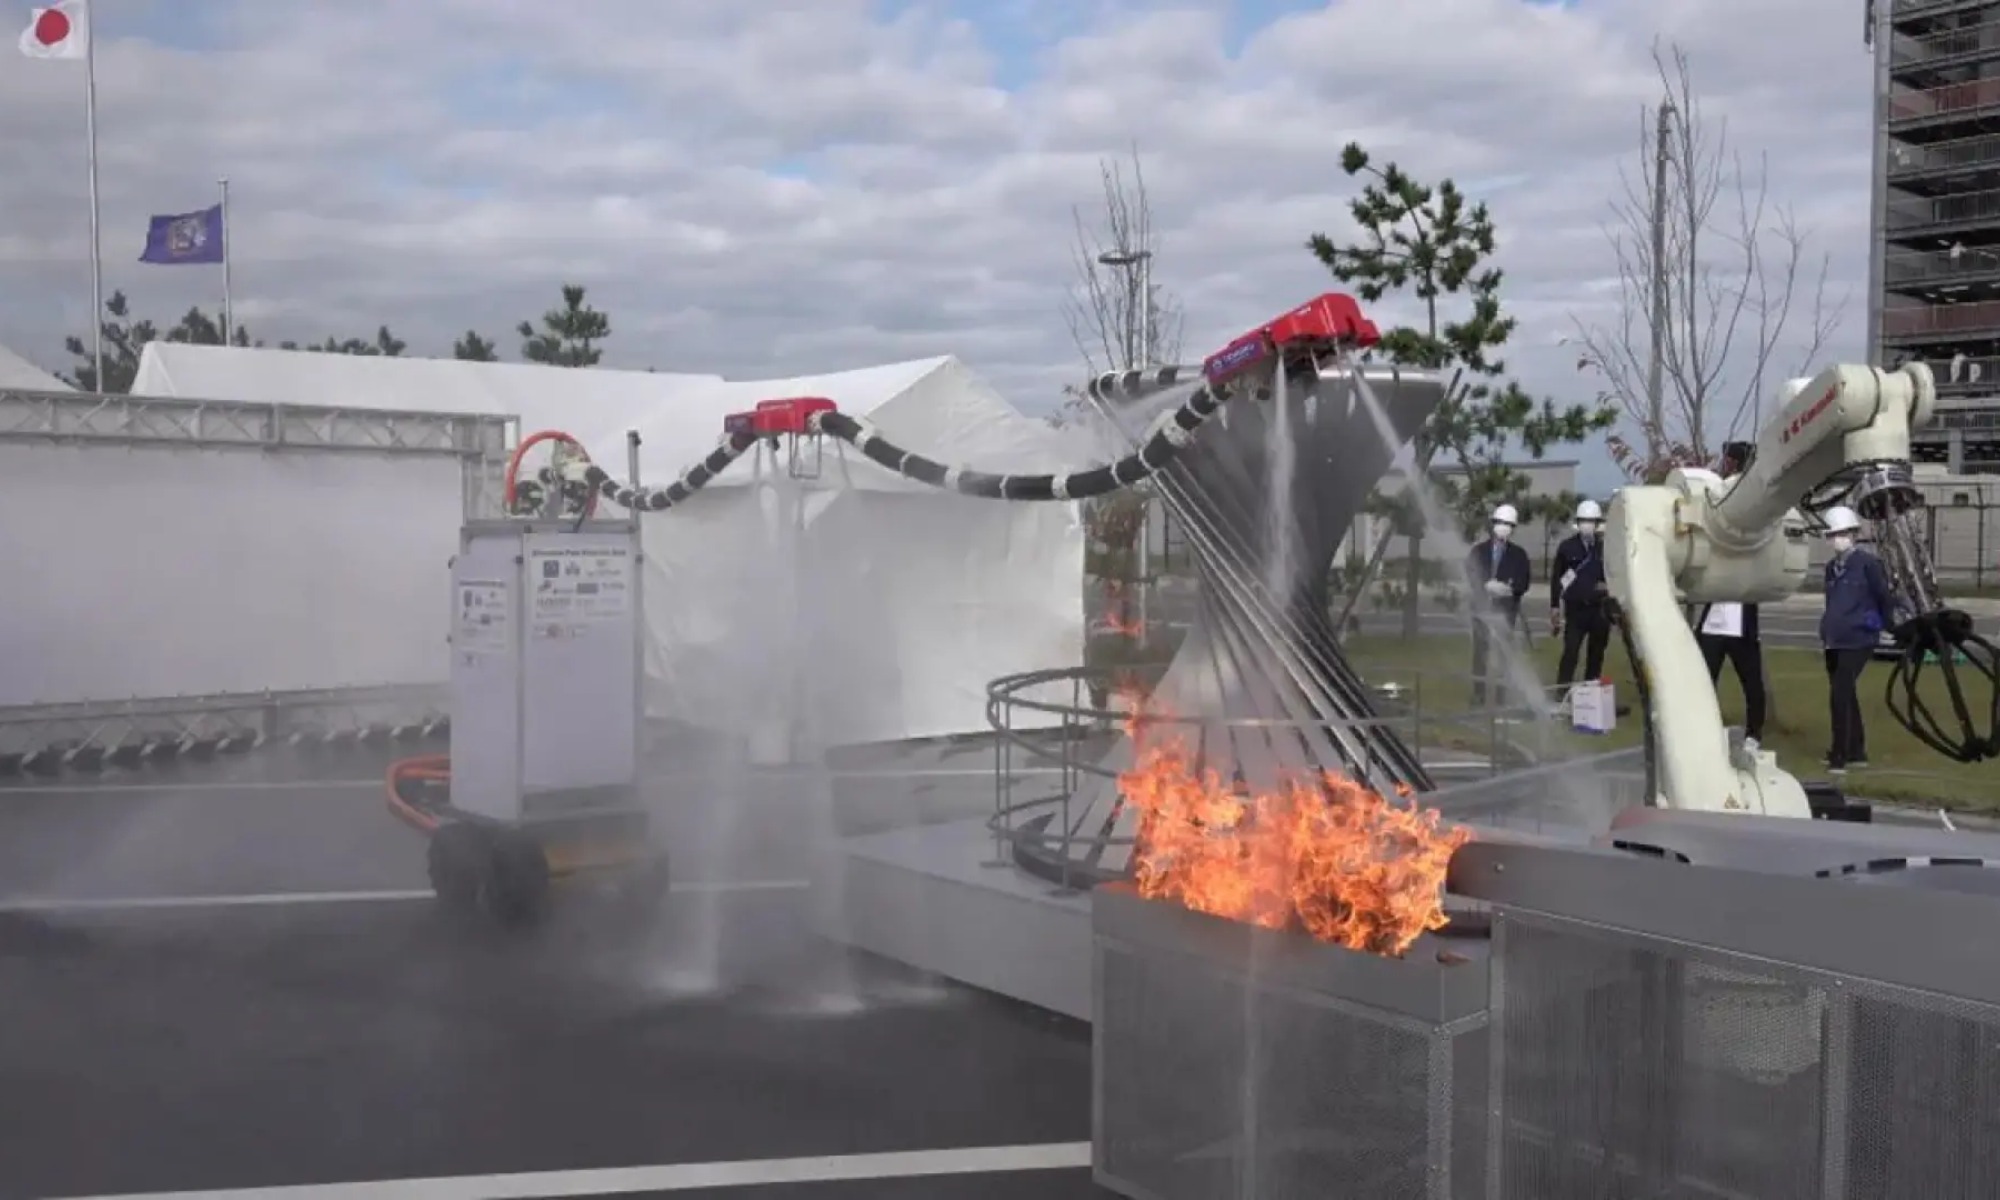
(1233,1061)
(1667,1029)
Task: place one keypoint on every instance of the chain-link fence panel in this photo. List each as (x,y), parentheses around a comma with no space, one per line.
(1637,1067)
(1235,1062)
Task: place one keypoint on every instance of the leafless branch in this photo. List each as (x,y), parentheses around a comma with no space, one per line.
(1107,302)
(1732,262)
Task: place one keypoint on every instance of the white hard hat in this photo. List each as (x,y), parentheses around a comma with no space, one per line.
(1842,519)
(1589,511)
(1505,515)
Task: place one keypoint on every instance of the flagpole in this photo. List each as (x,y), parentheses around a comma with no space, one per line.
(227,323)
(96,242)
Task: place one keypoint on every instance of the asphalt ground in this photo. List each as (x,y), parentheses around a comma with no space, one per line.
(228,976)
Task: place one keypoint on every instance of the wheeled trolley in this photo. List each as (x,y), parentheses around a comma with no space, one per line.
(541,784)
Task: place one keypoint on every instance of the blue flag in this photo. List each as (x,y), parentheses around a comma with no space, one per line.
(183,239)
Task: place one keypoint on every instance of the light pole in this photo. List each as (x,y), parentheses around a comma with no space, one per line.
(1138,331)
(1656,407)
(1138,334)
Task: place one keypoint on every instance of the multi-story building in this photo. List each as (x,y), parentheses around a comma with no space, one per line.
(1935,286)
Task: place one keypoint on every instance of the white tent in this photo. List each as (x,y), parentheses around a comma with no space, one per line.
(887,604)
(18,372)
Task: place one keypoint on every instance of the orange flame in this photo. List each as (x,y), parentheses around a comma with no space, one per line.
(1325,856)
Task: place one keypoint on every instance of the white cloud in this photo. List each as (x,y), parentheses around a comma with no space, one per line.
(773,187)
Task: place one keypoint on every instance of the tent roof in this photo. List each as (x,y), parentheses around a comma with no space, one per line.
(18,372)
(935,405)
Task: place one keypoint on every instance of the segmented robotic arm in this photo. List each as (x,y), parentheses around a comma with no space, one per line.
(1843,437)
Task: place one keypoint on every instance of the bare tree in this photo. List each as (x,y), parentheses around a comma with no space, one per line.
(1735,267)
(1109,302)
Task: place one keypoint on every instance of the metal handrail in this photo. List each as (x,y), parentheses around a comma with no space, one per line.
(1916,49)
(1914,105)
(1942,156)
(1916,320)
(1021,828)
(1914,213)
(1916,266)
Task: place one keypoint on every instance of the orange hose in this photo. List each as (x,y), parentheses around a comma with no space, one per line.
(507,481)
(425,768)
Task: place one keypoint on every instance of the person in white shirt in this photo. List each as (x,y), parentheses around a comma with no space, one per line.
(1729,632)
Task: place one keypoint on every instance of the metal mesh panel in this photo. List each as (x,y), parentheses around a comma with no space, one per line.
(1922,1096)
(1211,1087)
(1634,1067)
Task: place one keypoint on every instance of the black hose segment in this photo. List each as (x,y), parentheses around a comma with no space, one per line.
(1162,445)
(691,481)
(1966,663)
(1133,385)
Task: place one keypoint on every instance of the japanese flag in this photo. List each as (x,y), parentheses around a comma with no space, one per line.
(61,30)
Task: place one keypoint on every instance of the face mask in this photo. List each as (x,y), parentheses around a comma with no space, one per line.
(1502,532)
(1588,529)
(1841,542)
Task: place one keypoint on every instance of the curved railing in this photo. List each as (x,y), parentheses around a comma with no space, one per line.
(1040,831)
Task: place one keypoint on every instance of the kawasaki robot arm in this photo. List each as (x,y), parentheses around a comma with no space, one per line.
(1843,437)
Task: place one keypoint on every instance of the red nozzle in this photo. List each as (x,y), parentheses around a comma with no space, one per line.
(771,418)
(1319,326)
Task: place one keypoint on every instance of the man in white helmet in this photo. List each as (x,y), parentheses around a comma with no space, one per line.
(1578,593)
(1498,571)
(1859,606)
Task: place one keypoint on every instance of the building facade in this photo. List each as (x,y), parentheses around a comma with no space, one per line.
(1935,286)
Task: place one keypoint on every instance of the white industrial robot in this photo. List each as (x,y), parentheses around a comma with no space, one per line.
(1841,438)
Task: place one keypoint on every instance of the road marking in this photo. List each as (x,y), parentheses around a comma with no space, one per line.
(375,785)
(679,1177)
(398,896)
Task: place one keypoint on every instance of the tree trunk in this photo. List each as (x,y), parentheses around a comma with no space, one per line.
(1359,586)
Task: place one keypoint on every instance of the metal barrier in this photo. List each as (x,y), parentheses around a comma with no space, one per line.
(1611,1025)
(1672,1030)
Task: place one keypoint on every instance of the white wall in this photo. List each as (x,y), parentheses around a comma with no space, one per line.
(159,572)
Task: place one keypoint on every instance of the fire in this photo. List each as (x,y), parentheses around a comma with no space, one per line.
(1325,856)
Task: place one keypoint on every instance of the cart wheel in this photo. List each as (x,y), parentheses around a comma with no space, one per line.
(520,895)
(460,861)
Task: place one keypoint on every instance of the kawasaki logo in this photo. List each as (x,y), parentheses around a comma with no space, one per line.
(1811,414)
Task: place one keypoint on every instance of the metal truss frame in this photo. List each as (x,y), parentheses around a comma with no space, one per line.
(90,732)
(478,440)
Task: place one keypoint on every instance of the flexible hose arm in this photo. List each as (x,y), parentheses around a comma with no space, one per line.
(728,450)
(1161,446)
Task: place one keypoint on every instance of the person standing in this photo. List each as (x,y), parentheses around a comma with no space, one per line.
(1498,571)
(1578,591)
(1858,603)
(1730,633)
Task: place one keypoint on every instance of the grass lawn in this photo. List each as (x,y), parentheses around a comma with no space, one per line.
(1903,770)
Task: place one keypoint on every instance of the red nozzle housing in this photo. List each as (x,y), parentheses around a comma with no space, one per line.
(1319,326)
(773,418)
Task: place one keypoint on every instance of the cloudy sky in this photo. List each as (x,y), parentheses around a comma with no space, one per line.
(768,187)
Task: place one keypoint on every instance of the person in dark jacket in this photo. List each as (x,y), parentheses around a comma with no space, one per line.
(1498,573)
(1859,601)
(1577,595)
(1731,633)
